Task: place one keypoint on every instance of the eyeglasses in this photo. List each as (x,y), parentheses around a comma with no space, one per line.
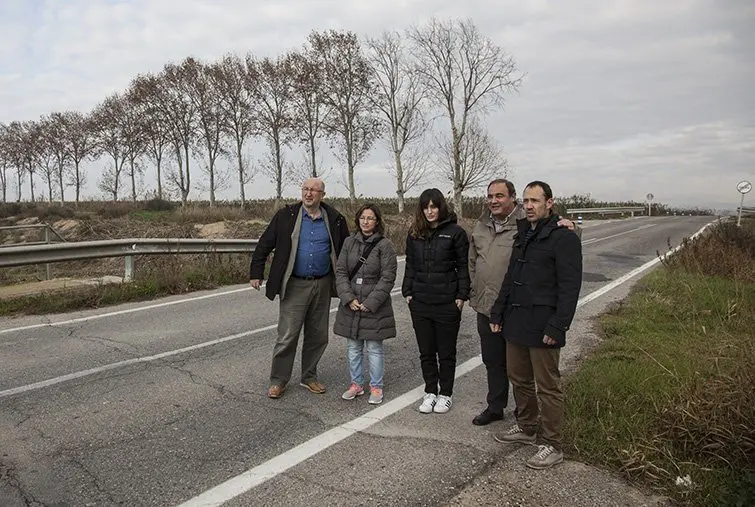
(368,219)
(308,189)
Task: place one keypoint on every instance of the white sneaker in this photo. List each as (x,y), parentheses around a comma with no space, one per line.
(442,405)
(428,402)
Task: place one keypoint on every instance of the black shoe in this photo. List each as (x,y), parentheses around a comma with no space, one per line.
(486,417)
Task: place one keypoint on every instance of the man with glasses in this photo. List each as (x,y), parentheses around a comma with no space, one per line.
(306,239)
(489,250)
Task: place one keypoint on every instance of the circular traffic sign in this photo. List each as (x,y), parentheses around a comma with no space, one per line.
(649,197)
(744,186)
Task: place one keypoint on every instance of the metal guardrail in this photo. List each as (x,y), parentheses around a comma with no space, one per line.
(627,209)
(583,211)
(128,248)
(746,209)
(48,229)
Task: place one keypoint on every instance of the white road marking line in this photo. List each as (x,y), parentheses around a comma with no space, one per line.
(273,467)
(254,477)
(595,240)
(401,258)
(139,360)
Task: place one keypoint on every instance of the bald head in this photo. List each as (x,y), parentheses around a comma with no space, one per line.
(314,183)
(312,192)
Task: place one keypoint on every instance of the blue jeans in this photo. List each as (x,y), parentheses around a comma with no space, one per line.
(375,359)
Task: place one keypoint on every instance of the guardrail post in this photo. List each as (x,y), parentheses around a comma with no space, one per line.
(579,219)
(129,274)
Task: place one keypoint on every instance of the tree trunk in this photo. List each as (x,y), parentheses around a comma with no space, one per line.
(185,190)
(212,183)
(133,181)
(77,182)
(278,167)
(31,184)
(19,184)
(242,192)
(313,156)
(158,160)
(458,201)
(399,180)
(62,184)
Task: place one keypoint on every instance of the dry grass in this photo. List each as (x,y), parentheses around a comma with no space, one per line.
(670,393)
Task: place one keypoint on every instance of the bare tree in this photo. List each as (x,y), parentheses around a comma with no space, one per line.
(80,143)
(13,146)
(271,83)
(309,112)
(5,160)
(206,98)
(481,159)
(169,99)
(400,96)
(52,129)
(134,138)
(46,155)
(29,144)
(230,79)
(154,125)
(348,88)
(466,74)
(108,122)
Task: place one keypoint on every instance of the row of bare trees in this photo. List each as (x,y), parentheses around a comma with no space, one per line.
(424,93)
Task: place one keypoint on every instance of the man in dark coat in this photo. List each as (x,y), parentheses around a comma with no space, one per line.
(306,238)
(534,309)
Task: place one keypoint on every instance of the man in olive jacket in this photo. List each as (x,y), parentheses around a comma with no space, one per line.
(534,309)
(307,238)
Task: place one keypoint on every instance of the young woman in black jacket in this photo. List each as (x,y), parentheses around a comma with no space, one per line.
(436,284)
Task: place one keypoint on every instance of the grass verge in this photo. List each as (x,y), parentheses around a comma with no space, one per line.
(668,399)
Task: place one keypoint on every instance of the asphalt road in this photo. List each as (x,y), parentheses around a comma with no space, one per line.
(158,403)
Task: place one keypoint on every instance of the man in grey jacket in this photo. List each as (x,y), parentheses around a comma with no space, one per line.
(489,251)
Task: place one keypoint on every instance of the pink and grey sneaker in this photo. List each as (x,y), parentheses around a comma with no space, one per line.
(353,391)
(376,396)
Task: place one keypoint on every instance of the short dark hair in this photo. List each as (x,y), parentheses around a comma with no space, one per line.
(543,185)
(379,225)
(421,226)
(509,185)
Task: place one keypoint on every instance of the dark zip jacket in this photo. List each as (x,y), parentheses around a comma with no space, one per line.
(540,290)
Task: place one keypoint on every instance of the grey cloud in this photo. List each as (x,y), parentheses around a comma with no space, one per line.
(620,96)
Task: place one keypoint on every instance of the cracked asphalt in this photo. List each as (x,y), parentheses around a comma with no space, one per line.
(162,431)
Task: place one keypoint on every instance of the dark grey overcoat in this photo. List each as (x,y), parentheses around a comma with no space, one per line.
(371,286)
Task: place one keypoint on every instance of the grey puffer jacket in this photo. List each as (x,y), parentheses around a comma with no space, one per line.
(371,286)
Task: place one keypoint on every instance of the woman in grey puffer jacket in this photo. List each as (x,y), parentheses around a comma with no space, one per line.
(365,316)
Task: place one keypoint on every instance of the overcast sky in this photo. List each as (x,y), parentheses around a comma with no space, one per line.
(621,97)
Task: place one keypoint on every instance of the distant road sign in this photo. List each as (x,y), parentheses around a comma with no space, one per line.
(744,186)
(649,197)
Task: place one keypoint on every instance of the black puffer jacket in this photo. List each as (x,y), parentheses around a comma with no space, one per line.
(540,291)
(436,266)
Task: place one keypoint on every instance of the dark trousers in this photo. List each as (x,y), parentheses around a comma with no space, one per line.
(493,348)
(436,328)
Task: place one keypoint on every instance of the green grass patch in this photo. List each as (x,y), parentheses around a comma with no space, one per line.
(670,393)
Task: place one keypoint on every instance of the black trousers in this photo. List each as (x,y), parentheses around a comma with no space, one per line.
(493,348)
(437,329)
